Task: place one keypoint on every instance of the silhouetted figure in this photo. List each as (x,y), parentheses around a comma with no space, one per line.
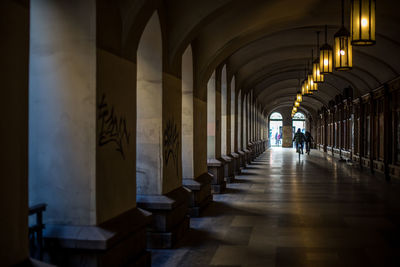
(308,140)
(299,139)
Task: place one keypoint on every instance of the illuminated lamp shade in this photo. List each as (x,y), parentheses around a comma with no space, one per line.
(326,59)
(317,76)
(296,104)
(343,50)
(313,86)
(326,56)
(306,89)
(299,97)
(295,109)
(362,22)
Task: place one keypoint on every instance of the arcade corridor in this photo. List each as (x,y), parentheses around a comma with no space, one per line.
(319,212)
(159,133)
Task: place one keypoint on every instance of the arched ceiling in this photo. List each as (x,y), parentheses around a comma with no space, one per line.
(266,44)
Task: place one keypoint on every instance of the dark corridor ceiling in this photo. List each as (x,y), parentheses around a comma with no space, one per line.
(266,44)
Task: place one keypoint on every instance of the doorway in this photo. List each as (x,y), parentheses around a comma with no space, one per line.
(275,129)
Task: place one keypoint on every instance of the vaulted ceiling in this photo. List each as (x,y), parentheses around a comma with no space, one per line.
(266,44)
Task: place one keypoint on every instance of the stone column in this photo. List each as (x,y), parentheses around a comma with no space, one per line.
(199,183)
(214,163)
(233,127)
(361,131)
(82,139)
(240,132)
(14,64)
(372,132)
(225,127)
(388,142)
(287,134)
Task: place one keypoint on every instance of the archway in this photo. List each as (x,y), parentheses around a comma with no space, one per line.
(299,122)
(275,129)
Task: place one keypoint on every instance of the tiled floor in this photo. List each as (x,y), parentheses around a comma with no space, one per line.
(282,212)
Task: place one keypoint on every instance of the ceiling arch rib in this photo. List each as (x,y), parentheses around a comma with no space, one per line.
(374,80)
(273,93)
(264,82)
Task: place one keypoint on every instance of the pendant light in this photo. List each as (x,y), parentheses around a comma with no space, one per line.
(317,76)
(362,22)
(312,85)
(305,88)
(325,58)
(343,48)
(299,97)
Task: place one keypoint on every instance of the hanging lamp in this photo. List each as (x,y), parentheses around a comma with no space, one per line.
(313,86)
(317,76)
(325,58)
(343,48)
(362,22)
(299,97)
(305,85)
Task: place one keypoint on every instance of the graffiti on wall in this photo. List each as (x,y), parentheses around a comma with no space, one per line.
(171,144)
(112,127)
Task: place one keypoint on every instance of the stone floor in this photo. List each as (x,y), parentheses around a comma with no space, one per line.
(286,212)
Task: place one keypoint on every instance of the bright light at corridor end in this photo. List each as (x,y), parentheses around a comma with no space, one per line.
(362,22)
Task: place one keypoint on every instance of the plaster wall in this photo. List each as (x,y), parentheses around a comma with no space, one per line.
(149,168)
(14,26)
(62,110)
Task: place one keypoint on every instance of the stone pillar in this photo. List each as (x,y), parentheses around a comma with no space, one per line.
(214,163)
(14,27)
(82,140)
(388,142)
(247,129)
(225,127)
(361,141)
(240,131)
(287,134)
(198,184)
(233,127)
(372,132)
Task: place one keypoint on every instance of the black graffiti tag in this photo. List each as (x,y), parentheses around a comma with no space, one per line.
(112,128)
(171,143)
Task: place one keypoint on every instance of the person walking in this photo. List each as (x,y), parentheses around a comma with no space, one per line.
(308,139)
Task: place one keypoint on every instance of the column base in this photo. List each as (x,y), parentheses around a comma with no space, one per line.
(119,241)
(242,157)
(248,156)
(229,169)
(200,193)
(236,163)
(170,221)
(216,169)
